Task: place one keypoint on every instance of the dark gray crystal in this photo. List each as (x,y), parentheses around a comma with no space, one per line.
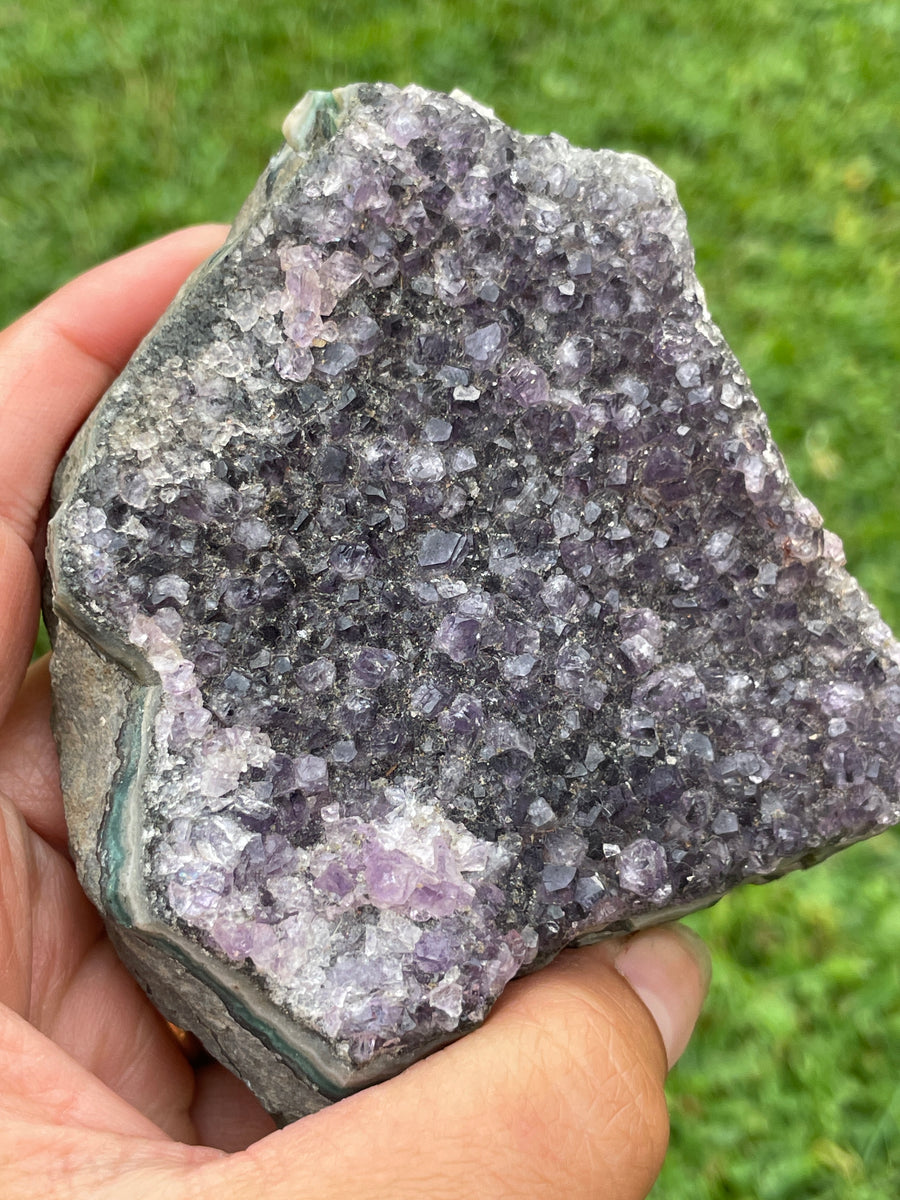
(429,595)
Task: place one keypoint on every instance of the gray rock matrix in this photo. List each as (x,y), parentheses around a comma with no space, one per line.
(428,595)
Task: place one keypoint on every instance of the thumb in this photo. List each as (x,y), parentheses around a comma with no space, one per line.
(653,964)
(560,1093)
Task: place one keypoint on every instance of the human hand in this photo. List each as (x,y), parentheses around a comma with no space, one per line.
(560,1093)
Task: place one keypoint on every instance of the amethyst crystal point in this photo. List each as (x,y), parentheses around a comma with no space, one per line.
(429,595)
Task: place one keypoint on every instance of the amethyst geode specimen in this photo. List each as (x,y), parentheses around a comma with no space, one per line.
(430,596)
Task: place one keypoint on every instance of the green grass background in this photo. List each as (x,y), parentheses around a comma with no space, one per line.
(779,123)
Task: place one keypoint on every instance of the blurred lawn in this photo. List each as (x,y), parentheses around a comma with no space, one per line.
(779,123)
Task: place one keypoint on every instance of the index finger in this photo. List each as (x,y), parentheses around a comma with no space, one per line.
(57,360)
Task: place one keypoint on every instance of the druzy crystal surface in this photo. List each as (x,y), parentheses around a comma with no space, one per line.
(431,596)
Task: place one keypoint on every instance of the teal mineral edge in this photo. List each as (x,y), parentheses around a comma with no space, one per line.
(111,843)
(314,119)
(243,1016)
(114,856)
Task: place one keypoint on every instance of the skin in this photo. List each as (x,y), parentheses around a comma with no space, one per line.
(560,1093)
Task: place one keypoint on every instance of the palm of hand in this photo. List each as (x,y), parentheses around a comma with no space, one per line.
(560,1093)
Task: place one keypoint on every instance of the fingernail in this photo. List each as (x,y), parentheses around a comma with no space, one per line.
(670,971)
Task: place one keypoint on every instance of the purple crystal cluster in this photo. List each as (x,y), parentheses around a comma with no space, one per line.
(472,608)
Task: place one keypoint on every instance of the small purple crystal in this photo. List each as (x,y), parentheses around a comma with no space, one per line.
(428,595)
